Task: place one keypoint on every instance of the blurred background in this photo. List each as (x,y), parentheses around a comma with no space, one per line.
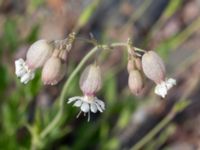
(170,27)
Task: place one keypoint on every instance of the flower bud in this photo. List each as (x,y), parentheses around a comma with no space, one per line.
(53,71)
(90,81)
(153,67)
(38,54)
(135,82)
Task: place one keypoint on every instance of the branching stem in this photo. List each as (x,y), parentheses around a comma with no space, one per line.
(55,122)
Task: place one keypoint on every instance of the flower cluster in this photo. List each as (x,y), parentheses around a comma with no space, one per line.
(153,68)
(51,55)
(148,63)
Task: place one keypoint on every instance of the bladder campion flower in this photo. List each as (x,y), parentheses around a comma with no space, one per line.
(154,69)
(90,83)
(37,55)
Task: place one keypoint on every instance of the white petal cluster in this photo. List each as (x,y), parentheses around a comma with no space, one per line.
(22,71)
(87,104)
(162,88)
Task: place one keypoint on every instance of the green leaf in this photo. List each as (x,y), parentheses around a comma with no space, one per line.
(3,79)
(11,37)
(172,8)
(124,118)
(181,105)
(112,144)
(87,13)
(110,88)
(32,37)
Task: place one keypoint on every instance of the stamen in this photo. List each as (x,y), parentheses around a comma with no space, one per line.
(79,114)
(88,116)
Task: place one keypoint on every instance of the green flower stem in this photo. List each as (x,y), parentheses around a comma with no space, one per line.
(55,122)
(178,107)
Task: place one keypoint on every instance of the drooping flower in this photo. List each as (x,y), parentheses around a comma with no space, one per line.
(154,68)
(36,56)
(90,83)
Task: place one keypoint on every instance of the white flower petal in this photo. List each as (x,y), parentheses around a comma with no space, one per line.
(18,67)
(100,102)
(20,72)
(19,62)
(32,75)
(99,107)
(161,89)
(78,103)
(170,83)
(85,107)
(72,99)
(25,78)
(93,107)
